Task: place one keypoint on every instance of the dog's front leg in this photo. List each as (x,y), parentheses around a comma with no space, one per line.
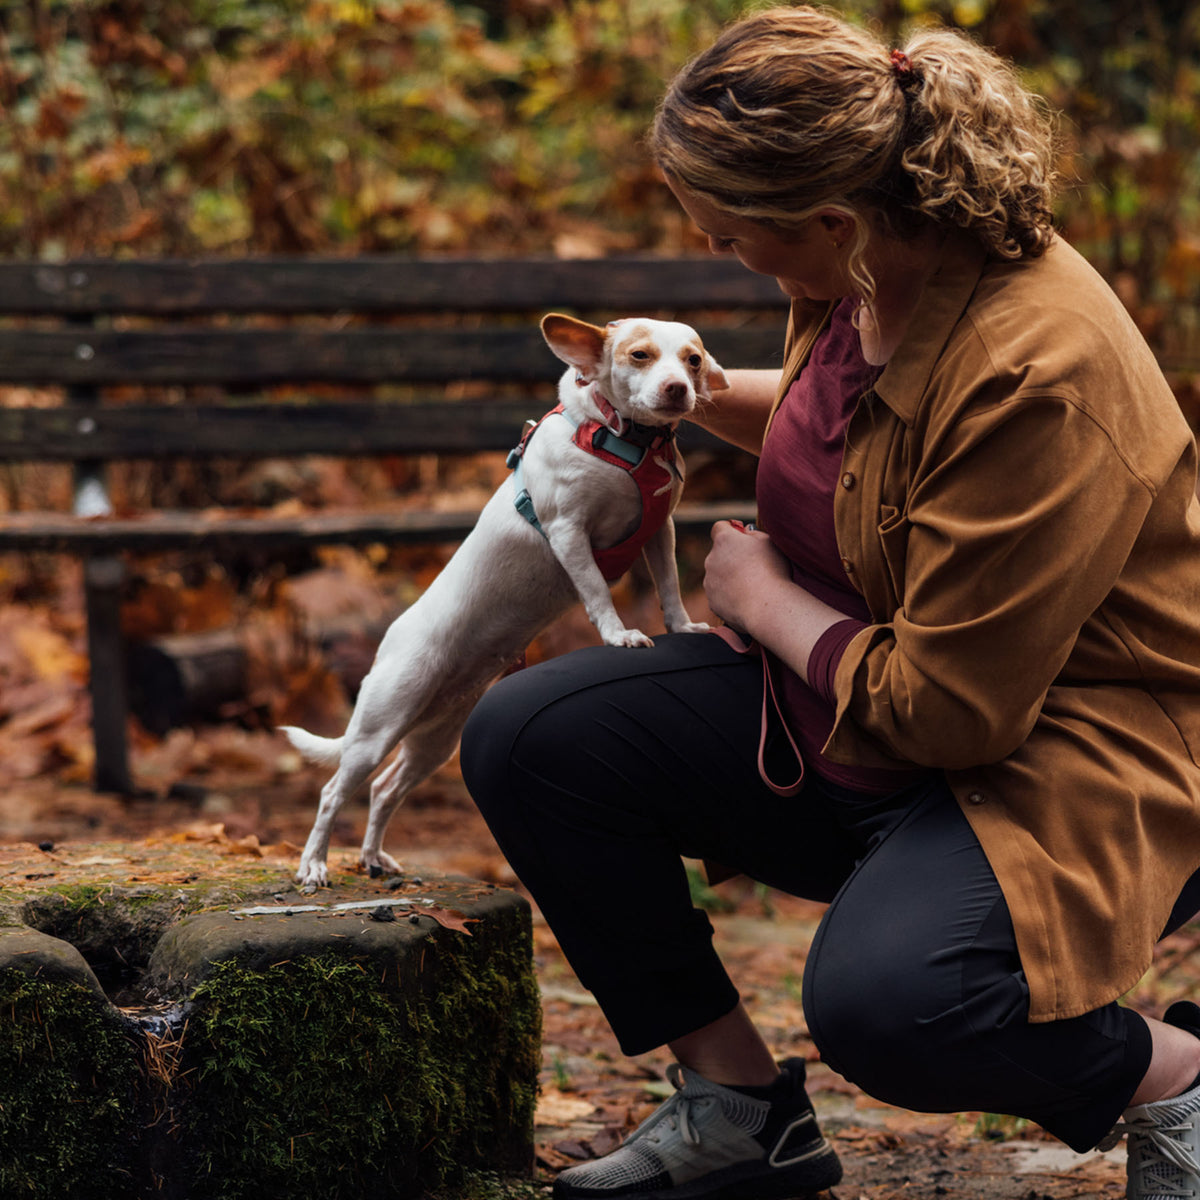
(573,550)
(660,557)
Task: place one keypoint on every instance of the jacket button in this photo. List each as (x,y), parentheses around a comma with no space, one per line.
(976,798)
(847,566)
(848,480)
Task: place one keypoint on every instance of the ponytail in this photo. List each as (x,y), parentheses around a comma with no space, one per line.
(793,110)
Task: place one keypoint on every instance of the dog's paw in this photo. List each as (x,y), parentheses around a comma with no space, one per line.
(312,875)
(692,627)
(630,637)
(380,863)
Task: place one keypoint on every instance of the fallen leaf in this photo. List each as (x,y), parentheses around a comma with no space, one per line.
(248,845)
(49,712)
(569,995)
(50,654)
(573,1149)
(555,1108)
(449,919)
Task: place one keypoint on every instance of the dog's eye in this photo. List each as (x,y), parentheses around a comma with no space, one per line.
(695,361)
(638,355)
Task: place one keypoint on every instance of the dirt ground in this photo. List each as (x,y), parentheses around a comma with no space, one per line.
(591,1094)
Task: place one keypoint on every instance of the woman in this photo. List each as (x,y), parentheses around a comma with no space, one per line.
(976,587)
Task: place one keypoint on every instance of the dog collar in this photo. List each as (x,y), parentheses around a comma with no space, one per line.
(609,415)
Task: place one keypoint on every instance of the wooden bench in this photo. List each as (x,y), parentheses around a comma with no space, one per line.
(235,358)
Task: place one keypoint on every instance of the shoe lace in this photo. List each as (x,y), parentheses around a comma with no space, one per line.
(677,1112)
(1159,1156)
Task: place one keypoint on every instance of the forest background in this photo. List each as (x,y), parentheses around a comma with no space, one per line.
(234,128)
(137,128)
(221,127)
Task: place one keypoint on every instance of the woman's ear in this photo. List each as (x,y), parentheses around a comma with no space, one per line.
(837,226)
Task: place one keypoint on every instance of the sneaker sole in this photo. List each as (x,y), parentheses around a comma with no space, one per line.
(739,1182)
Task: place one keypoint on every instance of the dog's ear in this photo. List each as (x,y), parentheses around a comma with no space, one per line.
(715,379)
(577,343)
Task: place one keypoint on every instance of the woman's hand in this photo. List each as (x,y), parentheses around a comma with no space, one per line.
(742,572)
(748,583)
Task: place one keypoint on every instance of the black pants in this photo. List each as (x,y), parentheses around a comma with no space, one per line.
(596,771)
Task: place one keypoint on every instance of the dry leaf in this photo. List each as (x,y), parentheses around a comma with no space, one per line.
(50,655)
(248,845)
(555,1108)
(449,919)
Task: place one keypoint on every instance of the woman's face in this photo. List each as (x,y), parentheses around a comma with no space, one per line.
(809,264)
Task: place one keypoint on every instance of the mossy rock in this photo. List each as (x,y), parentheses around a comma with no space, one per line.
(69,1079)
(368,1042)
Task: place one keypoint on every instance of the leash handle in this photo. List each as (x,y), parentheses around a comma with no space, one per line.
(746,645)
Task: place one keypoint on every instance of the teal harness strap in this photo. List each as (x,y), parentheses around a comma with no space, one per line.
(522,499)
(516,458)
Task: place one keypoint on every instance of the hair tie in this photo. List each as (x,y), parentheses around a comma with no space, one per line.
(901,63)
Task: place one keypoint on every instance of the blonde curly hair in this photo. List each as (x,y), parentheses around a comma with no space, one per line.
(793,110)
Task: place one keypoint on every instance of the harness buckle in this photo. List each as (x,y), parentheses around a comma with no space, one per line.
(524,505)
(514,455)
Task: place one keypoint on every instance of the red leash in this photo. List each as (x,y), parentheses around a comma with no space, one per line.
(748,646)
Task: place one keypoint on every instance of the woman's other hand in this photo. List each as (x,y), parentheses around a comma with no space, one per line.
(748,583)
(742,573)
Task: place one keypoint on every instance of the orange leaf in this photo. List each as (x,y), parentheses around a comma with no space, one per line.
(449,919)
(50,654)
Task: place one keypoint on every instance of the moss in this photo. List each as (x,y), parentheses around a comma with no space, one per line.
(343,1059)
(487,1185)
(67,1078)
(328,1064)
(116,928)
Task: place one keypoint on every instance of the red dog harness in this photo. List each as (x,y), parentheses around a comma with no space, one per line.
(647,452)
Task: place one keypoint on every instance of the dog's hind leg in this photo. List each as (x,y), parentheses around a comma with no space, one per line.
(360,756)
(425,749)
(390,701)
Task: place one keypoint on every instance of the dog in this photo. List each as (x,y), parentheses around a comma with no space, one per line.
(593,487)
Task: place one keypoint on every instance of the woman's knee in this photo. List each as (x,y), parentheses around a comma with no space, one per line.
(922,1022)
(870,1023)
(488,739)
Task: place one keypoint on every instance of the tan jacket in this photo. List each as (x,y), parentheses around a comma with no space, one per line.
(1018,509)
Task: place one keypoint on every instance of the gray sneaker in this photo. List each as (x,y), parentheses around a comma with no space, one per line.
(709,1142)
(1164,1136)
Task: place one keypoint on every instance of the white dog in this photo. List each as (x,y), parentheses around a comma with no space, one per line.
(594,485)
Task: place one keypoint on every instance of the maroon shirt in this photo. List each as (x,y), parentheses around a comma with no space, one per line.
(798,473)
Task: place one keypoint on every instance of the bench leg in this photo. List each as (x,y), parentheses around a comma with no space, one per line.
(102,580)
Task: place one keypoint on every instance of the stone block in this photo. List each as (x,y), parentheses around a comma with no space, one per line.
(241,1040)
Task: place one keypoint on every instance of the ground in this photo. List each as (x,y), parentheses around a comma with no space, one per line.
(591,1094)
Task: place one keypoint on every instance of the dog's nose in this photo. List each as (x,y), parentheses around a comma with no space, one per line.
(674,392)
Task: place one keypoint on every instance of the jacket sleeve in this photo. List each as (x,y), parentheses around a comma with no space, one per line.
(1016,529)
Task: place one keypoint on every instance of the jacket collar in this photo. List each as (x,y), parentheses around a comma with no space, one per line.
(943,301)
(906,377)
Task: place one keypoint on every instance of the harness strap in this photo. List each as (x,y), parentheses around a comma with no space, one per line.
(628,449)
(522,499)
(621,447)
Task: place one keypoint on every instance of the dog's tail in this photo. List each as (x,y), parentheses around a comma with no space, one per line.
(323,751)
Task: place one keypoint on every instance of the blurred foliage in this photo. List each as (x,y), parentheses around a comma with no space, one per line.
(200,126)
(424,126)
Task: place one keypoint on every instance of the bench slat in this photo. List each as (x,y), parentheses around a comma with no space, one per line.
(379,283)
(260,357)
(351,428)
(163,531)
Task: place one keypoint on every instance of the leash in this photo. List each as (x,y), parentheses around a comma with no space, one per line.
(745,645)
